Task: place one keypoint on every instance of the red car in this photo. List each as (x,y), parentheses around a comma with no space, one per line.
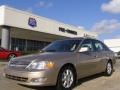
(7,54)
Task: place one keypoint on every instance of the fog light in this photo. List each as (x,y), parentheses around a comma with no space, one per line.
(39,79)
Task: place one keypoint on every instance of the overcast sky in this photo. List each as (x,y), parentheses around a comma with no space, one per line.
(100,16)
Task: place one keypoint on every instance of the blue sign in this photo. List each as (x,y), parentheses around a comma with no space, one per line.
(32,22)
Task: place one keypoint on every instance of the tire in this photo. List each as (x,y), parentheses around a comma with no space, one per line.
(66,79)
(11,56)
(109,69)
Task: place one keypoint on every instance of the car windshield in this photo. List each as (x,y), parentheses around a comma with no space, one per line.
(62,46)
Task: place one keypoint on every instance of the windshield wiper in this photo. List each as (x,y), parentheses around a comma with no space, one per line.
(50,50)
(42,51)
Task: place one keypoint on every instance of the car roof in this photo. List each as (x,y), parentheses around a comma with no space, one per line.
(78,38)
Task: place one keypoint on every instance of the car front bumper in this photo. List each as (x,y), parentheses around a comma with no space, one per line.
(36,78)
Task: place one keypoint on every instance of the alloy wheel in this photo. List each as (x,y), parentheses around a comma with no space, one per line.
(11,56)
(67,78)
(109,68)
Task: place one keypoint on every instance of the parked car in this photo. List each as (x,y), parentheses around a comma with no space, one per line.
(7,54)
(62,63)
(117,54)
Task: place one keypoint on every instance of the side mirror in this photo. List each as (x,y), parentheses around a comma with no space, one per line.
(84,49)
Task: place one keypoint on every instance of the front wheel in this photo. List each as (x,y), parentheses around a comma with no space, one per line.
(109,69)
(66,79)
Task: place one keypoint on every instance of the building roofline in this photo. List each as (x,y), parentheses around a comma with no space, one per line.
(38,16)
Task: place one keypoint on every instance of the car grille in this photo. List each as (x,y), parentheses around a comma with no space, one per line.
(19,64)
(22,79)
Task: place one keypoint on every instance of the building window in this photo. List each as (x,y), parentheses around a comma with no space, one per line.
(27,45)
(18,44)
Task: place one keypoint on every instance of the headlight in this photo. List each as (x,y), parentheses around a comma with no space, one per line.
(41,65)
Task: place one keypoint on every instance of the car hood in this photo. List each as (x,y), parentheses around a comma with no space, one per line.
(46,56)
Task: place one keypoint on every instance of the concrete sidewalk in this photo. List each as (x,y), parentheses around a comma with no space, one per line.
(2,65)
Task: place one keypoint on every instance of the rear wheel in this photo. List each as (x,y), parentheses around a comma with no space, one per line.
(11,56)
(66,79)
(109,69)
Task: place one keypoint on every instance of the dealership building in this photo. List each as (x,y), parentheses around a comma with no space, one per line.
(20,30)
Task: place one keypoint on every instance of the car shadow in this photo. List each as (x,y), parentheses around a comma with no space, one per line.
(89,78)
(80,81)
(41,88)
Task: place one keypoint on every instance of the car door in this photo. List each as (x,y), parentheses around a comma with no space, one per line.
(101,54)
(86,60)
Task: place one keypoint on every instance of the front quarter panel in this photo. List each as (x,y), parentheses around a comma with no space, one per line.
(68,58)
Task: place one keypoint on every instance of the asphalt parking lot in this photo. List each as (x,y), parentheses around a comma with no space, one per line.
(96,82)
